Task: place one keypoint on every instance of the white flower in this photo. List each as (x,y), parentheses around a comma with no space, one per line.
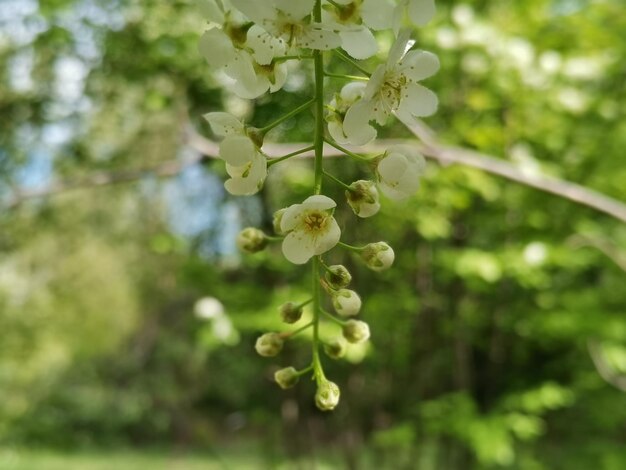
(244,163)
(247,179)
(233,46)
(363,198)
(208,308)
(399,172)
(339,105)
(420,12)
(346,302)
(394,87)
(287,20)
(311,229)
(353,20)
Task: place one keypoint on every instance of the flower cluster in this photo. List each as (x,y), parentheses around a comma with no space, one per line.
(253,43)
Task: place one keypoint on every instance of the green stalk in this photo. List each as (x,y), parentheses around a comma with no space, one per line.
(346,77)
(356,156)
(289,115)
(274,161)
(356,249)
(318,143)
(338,181)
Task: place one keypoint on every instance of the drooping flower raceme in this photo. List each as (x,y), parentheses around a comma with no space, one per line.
(394,87)
(244,162)
(311,229)
(252,41)
(399,171)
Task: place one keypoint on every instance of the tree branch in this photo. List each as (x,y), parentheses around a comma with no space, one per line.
(604,368)
(429,146)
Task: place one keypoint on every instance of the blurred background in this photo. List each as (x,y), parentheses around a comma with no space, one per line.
(128,318)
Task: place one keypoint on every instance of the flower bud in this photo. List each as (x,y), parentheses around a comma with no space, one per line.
(363,198)
(290,312)
(378,256)
(336,348)
(278,217)
(269,344)
(347,303)
(327,395)
(338,276)
(356,331)
(251,240)
(287,377)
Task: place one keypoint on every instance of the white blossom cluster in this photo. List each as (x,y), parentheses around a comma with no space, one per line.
(252,41)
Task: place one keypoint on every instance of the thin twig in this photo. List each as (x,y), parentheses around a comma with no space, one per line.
(429,146)
(604,369)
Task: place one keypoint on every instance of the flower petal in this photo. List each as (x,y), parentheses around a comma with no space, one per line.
(329,239)
(216,47)
(421,11)
(418,65)
(377,14)
(296,9)
(335,129)
(264,46)
(210,9)
(291,218)
(398,49)
(418,101)
(247,179)
(318,201)
(358,41)
(352,91)
(356,123)
(297,247)
(237,150)
(316,36)
(224,124)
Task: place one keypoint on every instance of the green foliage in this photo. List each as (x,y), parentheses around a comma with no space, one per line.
(481,337)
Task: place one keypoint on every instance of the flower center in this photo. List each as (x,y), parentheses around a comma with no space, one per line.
(315,221)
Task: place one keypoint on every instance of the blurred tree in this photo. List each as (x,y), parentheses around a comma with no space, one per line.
(498,342)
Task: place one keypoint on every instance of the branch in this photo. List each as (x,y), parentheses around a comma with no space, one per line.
(604,368)
(571,191)
(429,146)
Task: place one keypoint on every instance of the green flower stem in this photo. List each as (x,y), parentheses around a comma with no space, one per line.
(338,181)
(356,156)
(304,304)
(335,4)
(292,57)
(274,161)
(318,58)
(350,247)
(289,334)
(334,318)
(271,238)
(346,77)
(304,371)
(346,58)
(289,115)
(324,265)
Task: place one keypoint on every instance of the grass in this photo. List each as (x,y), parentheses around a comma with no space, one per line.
(31,459)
